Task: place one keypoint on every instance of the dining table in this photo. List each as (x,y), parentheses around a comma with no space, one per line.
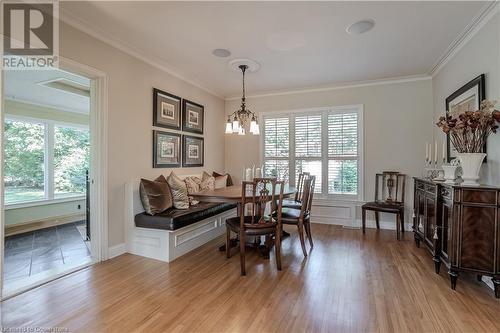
(233,194)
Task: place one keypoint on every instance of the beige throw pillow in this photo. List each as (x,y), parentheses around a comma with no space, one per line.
(207,182)
(221,182)
(179,191)
(193,186)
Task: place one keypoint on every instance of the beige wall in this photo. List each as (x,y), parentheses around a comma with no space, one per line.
(479,56)
(396,126)
(131,82)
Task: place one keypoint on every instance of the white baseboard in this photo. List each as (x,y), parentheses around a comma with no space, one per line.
(386,225)
(115,251)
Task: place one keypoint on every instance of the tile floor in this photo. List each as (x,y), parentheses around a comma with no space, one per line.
(51,249)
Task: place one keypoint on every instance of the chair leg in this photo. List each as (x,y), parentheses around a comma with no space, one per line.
(363,219)
(402,214)
(377,219)
(242,253)
(277,248)
(301,236)
(307,225)
(228,243)
(398,226)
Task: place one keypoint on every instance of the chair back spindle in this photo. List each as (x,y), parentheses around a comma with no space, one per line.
(261,194)
(307,195)
(300,185)
(390,187)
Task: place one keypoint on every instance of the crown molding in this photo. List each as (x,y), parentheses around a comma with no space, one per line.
(347,85)
(477,23)
(84,26)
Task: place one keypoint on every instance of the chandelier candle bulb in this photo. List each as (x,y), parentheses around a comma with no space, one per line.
(257,130)
(426,151)
(229,127)
(236,126)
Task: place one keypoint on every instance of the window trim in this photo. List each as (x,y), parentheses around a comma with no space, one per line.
(43,202)
(49,132)
(358,108)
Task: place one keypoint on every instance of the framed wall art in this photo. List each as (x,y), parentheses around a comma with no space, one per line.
(467,98)
(192,117)
(166,150)
(166,110)
(192,151)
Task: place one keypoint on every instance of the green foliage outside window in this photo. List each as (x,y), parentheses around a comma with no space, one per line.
(25,157)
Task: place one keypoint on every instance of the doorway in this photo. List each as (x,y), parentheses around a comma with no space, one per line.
(54,220)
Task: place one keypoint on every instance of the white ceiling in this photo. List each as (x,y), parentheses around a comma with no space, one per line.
(297,44)
(23,85)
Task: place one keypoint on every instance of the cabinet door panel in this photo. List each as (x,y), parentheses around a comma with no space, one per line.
(446,220)
(477,246)
(420,212)
(430,221)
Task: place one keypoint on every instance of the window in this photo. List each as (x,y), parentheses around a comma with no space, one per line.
(71,157)
(276,148)
(44,160)
(325,143)
(24,161)
(308,147)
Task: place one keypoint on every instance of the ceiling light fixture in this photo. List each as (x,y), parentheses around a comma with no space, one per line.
(221,53)
(360,27)
(236,122)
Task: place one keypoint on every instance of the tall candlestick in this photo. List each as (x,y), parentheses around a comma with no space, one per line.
(444,152)
(427,151)
(435,152)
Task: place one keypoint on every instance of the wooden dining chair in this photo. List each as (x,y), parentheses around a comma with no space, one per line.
(296,201)
(260,197)
(389,198)
(302,217)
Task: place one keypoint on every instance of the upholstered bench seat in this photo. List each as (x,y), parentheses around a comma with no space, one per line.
(175,232)
(173,219)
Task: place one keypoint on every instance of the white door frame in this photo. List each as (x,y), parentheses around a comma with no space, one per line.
(98,163)
(99,154)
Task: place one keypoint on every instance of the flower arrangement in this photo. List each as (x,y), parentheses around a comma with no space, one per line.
(469,130)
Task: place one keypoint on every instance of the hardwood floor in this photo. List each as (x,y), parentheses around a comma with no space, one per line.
(350,283)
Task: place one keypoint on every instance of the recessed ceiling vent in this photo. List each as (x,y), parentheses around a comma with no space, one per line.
(67,86)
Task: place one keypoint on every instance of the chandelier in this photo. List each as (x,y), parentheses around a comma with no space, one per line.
(238,120)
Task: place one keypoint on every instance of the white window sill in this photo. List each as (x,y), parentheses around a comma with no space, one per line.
(43,202)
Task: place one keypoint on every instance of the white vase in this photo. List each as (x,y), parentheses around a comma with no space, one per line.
(450,173)
(471,165)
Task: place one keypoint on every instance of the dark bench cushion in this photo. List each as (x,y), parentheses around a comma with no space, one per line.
(173,219)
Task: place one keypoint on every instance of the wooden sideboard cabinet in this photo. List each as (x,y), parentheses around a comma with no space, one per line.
(459,225)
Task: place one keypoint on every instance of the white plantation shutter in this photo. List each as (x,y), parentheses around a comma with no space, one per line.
(276,137)
(276,147)
(277,168)
(325,143)
(308,136)
(343,134)
(343,153)
(314,167)
(308,147)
